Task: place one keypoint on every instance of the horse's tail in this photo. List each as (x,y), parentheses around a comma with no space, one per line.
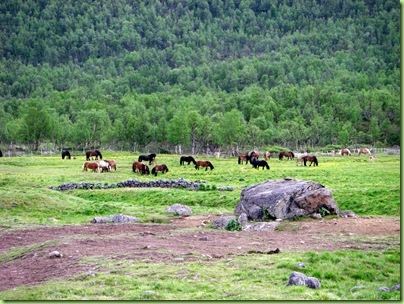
(153,171)
(315,160)
(239,160)
(280,156)
(84,165)
(134,167)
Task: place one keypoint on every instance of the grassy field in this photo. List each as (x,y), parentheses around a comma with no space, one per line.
(357,185)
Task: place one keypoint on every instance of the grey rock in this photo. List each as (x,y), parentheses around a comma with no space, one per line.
(221,223)
(261,226)
(179,209)
(117,218)
(298,278)
(285,199)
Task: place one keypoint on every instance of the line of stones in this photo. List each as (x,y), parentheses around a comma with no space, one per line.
(134,183)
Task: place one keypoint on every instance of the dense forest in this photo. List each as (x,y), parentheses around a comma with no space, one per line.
(193,76)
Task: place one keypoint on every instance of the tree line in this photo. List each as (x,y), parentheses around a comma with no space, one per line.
(199,75)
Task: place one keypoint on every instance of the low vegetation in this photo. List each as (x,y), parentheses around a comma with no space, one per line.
(368,189)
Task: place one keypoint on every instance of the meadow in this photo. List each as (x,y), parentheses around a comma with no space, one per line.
(368,189)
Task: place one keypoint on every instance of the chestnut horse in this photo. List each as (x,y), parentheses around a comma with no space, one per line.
(140,167)
(112,164)
(93,153)
(163,168)
(92,166)
(65,153)
(267,155)
(187,159)
(311,159)
(259,163)
(289,155)
(364,151)
(255,154)
(345,151)
(243,158)
(151,158)
(204,163)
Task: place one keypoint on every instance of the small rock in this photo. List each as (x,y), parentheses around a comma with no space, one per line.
(385,289)
(55,254)
(301,265)
(357,287)
(204,238)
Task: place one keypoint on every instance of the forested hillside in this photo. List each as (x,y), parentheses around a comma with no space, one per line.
(199,74)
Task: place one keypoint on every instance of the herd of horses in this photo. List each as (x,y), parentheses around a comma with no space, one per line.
(95,163)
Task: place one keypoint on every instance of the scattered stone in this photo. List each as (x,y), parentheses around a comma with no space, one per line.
(179,209)
(204,238)
(221,223)
(357,287)
(347,213)
(385,289)
(396,287)
(301,265)
(55,254)
(117,218)
(298,278)
(261,226)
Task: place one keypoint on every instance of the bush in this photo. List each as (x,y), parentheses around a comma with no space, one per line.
(234,225)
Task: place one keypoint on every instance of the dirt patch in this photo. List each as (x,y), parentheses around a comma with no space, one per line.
(185,239)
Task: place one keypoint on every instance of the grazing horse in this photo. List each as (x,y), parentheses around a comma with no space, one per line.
(345,151)
(163,168)
(242,158)
(255,154)
(289,155)
(151,158)
(299,160)
(187,159)
(92,153)
(112,164)
(204,163)
(311,159)
(267,155)
(92,166)
(140,167)
(65,153)
(259,163)
(364,151)
(217,154)
(104,165)
(372,158)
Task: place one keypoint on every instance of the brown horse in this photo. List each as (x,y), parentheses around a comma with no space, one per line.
(92,166)
(112,164)
(243,158)
(204,163)
(364,151)
(163,168)
(255,154)
(311,159)
(345,151)
(93,153)
(140,167)
(289,155)
(267,155)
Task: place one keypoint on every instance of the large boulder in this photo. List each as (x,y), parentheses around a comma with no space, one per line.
(285,199)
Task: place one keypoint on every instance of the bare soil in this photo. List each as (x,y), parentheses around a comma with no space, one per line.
(184,239)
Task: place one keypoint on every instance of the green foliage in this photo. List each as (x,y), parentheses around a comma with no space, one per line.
(234,225)
(200,74)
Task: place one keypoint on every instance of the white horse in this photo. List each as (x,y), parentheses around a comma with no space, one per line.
(104,166)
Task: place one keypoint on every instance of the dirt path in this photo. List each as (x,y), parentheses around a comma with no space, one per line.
(185,238)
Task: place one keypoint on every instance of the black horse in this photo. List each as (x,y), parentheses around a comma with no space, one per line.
(93,153)
(187,159)
(65,153)
(259,163)
(151,158)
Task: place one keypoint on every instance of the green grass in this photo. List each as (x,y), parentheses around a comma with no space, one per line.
(357,185)
(249,277)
